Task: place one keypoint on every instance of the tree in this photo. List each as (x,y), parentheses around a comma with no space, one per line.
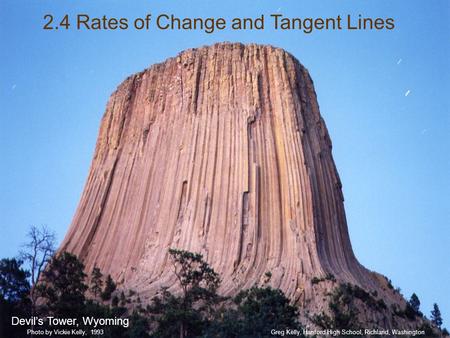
(175,317)
(412,308)
(110,287)
(414,302)
(200,311)
(344,312)
(254,313)
(36,253)
(138,327)
(62,290)
(96,282)
(62,286)
(436,317)
(189,313)
(14,301)
(262,309)
(196,277)
(14,285)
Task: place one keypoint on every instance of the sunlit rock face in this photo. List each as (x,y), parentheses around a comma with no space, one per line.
(222,151)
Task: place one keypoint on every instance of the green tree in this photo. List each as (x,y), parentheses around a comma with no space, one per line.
(412,308)
(436,317)
(62,286)
(122,299)
(414,302)
(110,287)
(259,310)
(14,285)
(187,314)
(200,311)
(174,317)
(343,311)
(96,282)
(139,326)
(14,301)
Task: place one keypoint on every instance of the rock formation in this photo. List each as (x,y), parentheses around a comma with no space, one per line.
(222,151)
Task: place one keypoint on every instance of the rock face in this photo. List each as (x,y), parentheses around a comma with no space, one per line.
(220,150)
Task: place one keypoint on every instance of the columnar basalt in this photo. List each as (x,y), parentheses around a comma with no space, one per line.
(220,150)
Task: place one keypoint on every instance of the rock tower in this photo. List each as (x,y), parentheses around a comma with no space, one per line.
(221,150)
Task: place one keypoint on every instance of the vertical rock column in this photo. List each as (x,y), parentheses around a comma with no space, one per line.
(220,150)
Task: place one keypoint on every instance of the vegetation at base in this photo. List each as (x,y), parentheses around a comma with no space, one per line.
(343,312)
(430,331)
(328,277)
(110,287)
(411,310)
(189,313)
(199,311)
(63,290)
(260,310)
(96,282)
(62,287)
(14,295)
(342,304)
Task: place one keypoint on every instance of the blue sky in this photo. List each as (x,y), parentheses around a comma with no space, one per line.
(391,149)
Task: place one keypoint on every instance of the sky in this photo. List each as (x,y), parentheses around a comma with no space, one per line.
(383,94)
